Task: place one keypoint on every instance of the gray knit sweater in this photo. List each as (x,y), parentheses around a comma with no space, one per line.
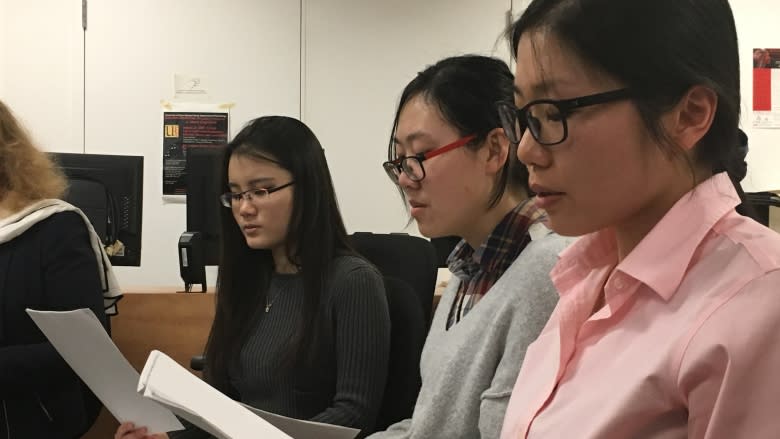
(345,382)
(468,371)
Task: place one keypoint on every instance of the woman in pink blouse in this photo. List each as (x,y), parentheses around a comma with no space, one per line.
(668,324)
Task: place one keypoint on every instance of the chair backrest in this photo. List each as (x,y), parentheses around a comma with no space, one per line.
(409,258)
(444,246)
(761,202)
(92,197)
(407,337)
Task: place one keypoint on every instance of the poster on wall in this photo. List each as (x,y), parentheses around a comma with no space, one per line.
(188,126)
(766,88)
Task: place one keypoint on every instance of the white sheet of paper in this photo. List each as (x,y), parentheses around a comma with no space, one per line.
(300,429)
(168,383)
(83,342)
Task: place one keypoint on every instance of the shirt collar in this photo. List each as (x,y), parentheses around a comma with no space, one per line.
(501,247)
(661,259)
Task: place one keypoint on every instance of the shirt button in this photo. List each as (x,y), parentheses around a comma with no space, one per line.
(619,284)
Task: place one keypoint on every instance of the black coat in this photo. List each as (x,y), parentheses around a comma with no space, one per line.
(51,266)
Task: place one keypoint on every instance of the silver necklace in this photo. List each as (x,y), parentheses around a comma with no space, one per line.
(268,304)
(271,302)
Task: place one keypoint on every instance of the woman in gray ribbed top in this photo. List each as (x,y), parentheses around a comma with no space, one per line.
(301,326)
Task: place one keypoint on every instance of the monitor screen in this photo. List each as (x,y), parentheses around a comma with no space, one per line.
(109,190)
(203,190)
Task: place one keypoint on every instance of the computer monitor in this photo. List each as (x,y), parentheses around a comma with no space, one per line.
(109,190)
(203,190)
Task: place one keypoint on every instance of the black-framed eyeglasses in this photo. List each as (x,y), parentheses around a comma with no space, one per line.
(412,165)
(232,199)
(546,118)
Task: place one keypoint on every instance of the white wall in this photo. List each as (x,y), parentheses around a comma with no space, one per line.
(359,54)
(3,42)
(757,26)
(248,50)
(358,57)
(41,63)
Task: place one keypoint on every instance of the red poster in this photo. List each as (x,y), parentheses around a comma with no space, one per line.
(766,88)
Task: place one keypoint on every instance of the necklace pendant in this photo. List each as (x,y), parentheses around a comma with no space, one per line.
(268,307)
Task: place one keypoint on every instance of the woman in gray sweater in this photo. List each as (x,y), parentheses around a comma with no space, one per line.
(500,295)
(301,327)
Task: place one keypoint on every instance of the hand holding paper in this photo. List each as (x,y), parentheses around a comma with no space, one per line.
(168,383)
(81,340)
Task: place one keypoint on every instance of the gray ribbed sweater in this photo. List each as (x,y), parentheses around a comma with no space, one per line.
(468,371)
(345,383)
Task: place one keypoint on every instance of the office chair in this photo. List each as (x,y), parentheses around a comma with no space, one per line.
(444,246)
(198,362)
(761,202)
(93,198)
(407,337)
(409,258)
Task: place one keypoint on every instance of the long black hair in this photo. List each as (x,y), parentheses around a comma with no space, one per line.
(466,89)
(659,49)
(316,235)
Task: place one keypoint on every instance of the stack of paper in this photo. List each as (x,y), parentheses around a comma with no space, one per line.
(173,386)
(300,429)
(81,340)
(165,381)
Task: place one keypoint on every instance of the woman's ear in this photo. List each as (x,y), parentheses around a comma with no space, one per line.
(498,148)
(690,120)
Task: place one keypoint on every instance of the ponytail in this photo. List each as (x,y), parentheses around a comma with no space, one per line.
(736,167)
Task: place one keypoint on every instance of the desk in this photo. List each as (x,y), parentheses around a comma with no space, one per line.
(175,323)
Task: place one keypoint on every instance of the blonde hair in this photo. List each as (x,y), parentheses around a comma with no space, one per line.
(27,174)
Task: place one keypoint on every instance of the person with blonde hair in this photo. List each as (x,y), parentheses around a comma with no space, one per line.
(50,259)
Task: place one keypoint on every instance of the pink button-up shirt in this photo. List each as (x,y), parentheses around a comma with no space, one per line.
(686,346)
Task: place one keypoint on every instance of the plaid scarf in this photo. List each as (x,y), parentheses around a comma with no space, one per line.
(479,269)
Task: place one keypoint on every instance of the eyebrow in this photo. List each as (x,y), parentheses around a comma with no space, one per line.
(542,88)
(412,137)
(252,182)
